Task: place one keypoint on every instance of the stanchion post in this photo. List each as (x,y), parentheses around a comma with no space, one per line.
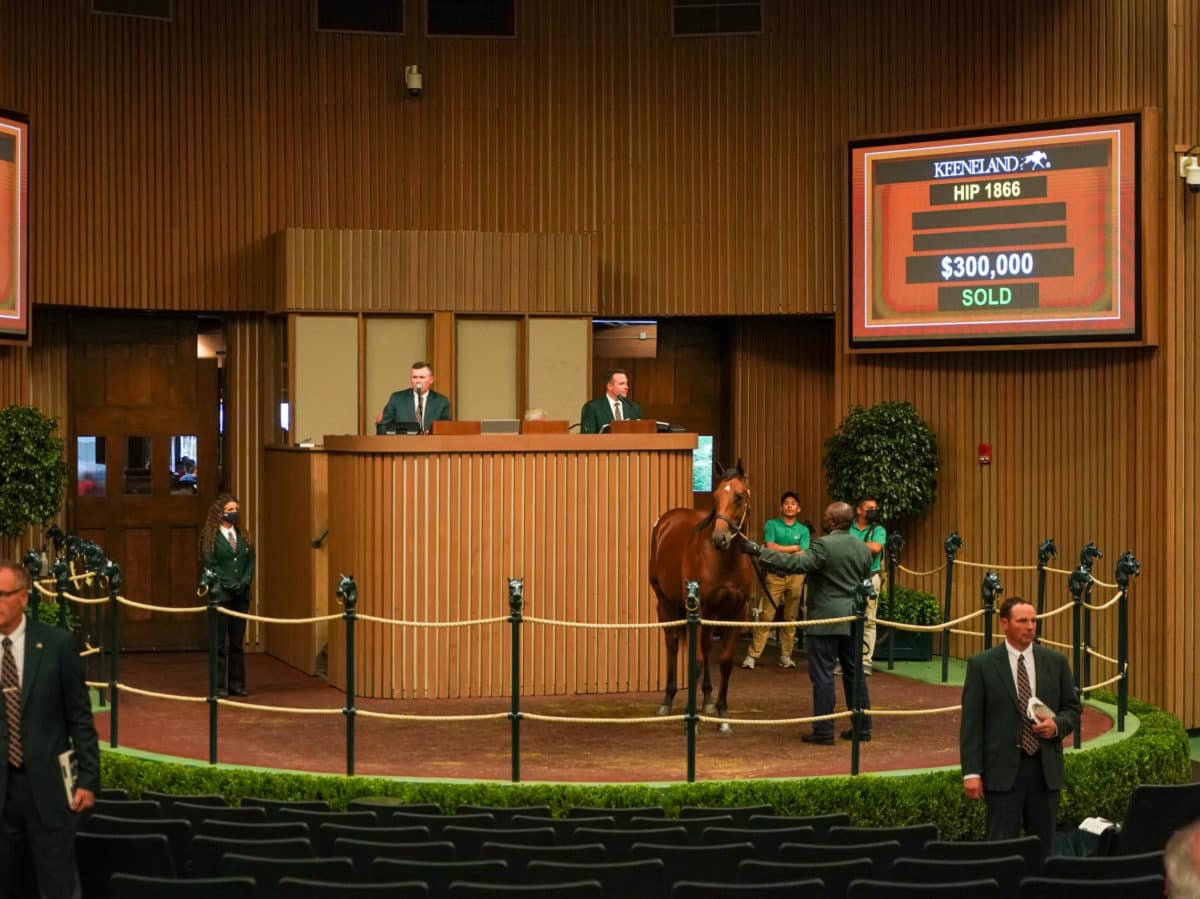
(895,545)
(62,580)
(1080,579)
(209,581)
(952,545)
(347,592)
(112,574)
(1087,556)
(1127,566)
(989,590)
(1046,552)
(693,629)
(863,591)
(516,600)
(32,562)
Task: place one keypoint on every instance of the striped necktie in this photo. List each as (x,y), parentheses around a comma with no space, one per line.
(1029,740)
(12,704)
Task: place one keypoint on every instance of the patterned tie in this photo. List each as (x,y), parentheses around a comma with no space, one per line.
(232,537)
(12,704)
(421,410)
(1029,740)
(617,411)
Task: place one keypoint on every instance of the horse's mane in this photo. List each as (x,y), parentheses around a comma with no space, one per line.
(727,475)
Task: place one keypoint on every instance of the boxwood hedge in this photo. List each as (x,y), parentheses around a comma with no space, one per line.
(1099,782)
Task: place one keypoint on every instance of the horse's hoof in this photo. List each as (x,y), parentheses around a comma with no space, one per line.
(663,709)
(724,728)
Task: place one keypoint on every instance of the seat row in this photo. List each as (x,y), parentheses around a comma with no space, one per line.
(615,857)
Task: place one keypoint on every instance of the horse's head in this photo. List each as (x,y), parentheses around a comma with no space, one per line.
(731,505)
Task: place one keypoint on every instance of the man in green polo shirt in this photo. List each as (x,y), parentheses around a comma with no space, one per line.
(867,529)
(786,535)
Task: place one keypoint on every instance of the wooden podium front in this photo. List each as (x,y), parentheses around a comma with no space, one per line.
(433,527)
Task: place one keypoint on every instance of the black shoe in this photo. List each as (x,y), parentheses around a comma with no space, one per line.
(864,737)
(238,691)
(819,740)
(222,694)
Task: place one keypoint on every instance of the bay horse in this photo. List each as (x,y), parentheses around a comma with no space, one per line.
(693,545)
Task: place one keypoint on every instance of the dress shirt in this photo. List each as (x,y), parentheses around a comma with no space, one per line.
(18,649)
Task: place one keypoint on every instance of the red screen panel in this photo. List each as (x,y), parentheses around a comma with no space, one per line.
(14,228)
(1020,236)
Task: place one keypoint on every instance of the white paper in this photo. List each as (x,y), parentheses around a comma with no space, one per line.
(66,767)
(1095,825)
(1038,709)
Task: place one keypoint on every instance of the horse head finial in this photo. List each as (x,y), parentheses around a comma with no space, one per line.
(1089,554)
(991,588)
(1047,551)
(1127,566)
(1081,578)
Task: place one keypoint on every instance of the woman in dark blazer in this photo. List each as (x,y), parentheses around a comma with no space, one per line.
(227,549)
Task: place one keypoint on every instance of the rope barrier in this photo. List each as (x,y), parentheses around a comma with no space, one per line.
(401,623)
(153,694)
(248,616)
(774,722)
(395,716)
(931,628)
(90,651)
(1057,611)
(995,567)
(588,624)
(82,600)
(909,571)
(287,710)
(812,622)
(567,719)
(1102,684)
(1097,655)
(1103,606)
(1065,571)
(901,713)
(177,610)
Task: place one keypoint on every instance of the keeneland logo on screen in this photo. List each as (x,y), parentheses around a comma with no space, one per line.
(991,165)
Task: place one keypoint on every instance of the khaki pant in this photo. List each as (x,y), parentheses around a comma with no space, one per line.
(869,624)
(784,590)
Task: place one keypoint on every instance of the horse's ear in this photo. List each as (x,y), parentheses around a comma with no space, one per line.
(718,470)
(741,471)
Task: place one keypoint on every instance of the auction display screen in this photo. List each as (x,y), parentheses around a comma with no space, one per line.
(14,204)
(1020,236)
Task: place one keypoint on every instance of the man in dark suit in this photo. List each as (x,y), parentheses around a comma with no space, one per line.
(47,712)
(418,405)
(836,565)
(1012,760)
(615,405)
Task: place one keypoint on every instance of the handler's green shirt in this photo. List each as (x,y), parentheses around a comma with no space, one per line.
(781,533)
(873,533)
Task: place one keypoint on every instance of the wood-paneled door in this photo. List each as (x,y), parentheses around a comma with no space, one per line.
(143,450)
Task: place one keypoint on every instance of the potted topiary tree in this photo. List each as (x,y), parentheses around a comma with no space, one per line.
(909,607)
(887,450)
(32,470)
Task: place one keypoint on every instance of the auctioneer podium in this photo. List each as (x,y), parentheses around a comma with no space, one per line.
(432,528)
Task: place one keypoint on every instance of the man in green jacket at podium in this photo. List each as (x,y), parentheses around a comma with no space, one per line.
(615,405)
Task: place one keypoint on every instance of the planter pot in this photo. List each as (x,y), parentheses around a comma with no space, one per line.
(911,646)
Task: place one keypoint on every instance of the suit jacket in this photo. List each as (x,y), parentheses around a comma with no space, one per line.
(235,568)
(990,733)
(835,564)
(56,715)
(402,406)
(596,413)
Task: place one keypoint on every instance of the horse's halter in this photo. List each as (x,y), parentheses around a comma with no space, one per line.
(736,526)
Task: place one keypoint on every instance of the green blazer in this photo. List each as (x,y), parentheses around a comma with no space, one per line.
(835,564)
(596,413)
(401,406)
(990,733)
(235,569)
(56,715)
